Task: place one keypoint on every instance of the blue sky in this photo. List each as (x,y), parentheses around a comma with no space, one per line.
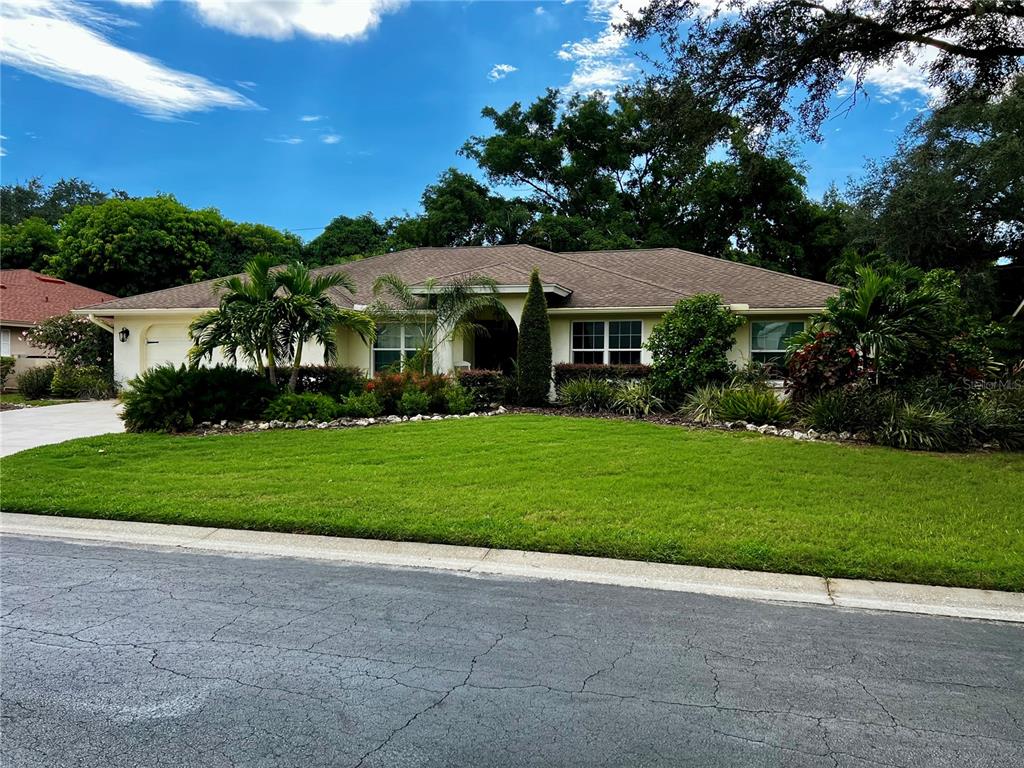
(292,113)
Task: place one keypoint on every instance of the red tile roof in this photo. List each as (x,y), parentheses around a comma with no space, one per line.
(27,297)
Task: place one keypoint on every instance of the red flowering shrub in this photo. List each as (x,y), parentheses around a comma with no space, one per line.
(825,363)
(389,388)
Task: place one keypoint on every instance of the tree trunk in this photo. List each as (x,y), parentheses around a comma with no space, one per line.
(271,365)
(293,380)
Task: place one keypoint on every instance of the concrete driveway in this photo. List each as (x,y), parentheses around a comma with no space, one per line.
(30,427)
(124,657)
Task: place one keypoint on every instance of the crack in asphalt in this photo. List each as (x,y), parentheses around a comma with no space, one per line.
(379,651)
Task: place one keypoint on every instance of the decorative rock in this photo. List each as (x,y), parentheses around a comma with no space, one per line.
(799,436)
(785,433)
(812,435)
(435,418)
(501,409)
(417,417)
(394,419)
(845,435)
(264,425)
(223,422)
(751,428)
(361,423)
(861,437)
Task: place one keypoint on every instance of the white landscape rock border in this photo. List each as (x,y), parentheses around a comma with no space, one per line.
(751,585)
(207,427)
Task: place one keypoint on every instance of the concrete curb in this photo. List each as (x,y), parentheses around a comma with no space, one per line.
(751,585)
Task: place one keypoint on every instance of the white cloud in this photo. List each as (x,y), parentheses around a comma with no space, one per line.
(501,71)
(64,41)
(539,10)
(330,138)
(284,19)
(311,118)
(602,62)
(892,80)
(3,152)
(285,140)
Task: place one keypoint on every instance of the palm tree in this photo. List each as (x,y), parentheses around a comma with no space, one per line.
(440,311)
(885,314)
(245,321)
(307,311)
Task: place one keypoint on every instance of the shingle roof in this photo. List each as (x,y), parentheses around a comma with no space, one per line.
(655,277)
(28,297)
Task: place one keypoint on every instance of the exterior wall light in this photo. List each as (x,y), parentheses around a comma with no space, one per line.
(123,335)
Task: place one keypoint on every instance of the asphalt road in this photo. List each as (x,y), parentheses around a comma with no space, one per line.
(133,657)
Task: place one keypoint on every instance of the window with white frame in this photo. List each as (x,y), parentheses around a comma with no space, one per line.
(5,342)
(615,342)
(394,344)
(768,340)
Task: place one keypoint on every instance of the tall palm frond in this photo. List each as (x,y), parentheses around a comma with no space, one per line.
(439,310)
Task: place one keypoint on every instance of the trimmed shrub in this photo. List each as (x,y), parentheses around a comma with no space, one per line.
(86,382)
(414,402)
(34,383)
(388,389)
(458,399)
(565,372)
(534,359)
(333,380)
(305,406)
(587,395)
(637,398)
(362,405)
(6,366)
(689,347)
(754,404)
(701,405)
(486,386)
(169,399)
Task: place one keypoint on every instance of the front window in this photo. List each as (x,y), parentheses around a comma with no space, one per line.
(617,342)
(394,344)
(768,340)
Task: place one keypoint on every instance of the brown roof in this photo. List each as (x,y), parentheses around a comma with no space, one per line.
(655,277)
(27,297)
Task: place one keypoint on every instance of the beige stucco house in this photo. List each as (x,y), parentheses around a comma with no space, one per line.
(28,298)
(602,305)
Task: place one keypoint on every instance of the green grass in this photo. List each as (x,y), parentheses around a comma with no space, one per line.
(15,398)
(586,486)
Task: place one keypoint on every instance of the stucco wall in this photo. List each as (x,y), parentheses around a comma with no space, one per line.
(169,331)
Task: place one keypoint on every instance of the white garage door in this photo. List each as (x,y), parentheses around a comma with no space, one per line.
(167,344)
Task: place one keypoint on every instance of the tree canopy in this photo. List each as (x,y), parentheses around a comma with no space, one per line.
(347,238)
(750,57)
(35,200)
(952,195)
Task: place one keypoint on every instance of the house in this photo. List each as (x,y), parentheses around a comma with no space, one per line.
(602,304)
(26,299)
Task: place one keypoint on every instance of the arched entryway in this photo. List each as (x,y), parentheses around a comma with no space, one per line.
(495,347)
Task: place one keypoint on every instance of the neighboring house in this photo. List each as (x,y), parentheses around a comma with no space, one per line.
(26,299)
(602,304)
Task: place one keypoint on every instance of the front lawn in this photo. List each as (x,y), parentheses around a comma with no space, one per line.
(586,486)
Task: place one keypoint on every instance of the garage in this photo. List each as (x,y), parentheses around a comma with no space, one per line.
(166,343)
